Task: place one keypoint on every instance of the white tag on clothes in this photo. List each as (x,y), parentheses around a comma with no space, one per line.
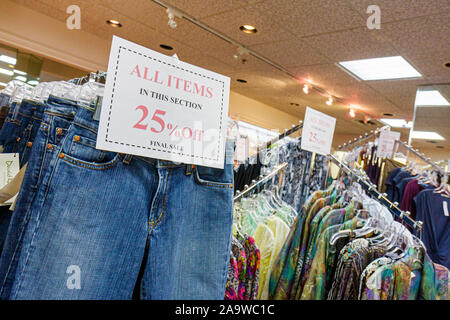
(445,206)
(9,167)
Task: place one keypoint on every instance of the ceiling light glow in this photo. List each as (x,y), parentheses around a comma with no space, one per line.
(114,23)
(329,101)
(428,135)
(246,28)
(306,89)
(8,59)
(20,72)
(430,98)
(21,78)
(381,68)
(6,71)
(352,113)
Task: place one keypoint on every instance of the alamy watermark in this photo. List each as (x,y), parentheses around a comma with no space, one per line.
(74,280)
(374,20)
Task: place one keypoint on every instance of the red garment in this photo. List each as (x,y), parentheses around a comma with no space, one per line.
(412,189)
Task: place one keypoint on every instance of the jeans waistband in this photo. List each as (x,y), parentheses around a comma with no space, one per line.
(60,107)
(25,108)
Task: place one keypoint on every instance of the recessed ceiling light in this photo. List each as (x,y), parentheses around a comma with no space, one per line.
(20,72)
(6,71)
(427,135)
(430,98)
(440,147)
(447,64)
(166,47)
(381,68)
(241,80)
(246,28)
(295,104)
(8,59)
(397,123)
(114,23)
(388,114)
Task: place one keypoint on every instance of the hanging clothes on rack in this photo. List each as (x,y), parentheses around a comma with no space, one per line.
(265,218)
(339,257)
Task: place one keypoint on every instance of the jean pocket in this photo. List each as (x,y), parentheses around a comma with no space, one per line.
(83,153)
(212,177)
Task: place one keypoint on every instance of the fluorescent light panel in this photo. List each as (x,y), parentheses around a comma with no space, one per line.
(6,71)
(397,123)
(430,98)
(8,59)
(20,72)
(381,68)
(21,78)
(428,135)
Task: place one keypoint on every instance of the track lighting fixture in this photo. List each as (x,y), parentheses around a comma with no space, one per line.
(240,52)
(306,89)
(171,14)
(329,101)
(352,113)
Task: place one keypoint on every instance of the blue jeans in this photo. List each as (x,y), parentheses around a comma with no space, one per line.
(9,126)
(30,132)
(57,118)
(23,114)
(107,223)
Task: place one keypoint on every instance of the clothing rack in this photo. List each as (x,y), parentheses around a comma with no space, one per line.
(287,132)
(419,155)
(361,139)
(261,181)
(394,208)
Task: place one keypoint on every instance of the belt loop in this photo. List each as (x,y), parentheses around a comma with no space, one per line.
(189,168)
(127,158)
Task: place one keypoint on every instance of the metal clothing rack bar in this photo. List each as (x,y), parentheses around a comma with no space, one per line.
(287,132)
(261,181)
(420,155)
(361,139)
(404,215)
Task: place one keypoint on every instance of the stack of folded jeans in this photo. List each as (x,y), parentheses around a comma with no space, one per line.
(93,224)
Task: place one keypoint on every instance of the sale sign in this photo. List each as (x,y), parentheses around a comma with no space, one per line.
(386,143)
(157,106)
(318,132)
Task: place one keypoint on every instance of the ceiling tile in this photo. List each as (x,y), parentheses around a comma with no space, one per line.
(290,53)
(306,17)
(229,23)
(205,8)
(419,36)
(351,45)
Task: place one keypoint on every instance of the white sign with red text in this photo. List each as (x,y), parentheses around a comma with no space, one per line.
(318,132)
(386,143)
(160,107)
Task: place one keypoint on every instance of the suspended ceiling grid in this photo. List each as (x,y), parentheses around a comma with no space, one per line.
(305,37)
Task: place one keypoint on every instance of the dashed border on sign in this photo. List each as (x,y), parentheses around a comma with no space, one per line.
(156,149)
